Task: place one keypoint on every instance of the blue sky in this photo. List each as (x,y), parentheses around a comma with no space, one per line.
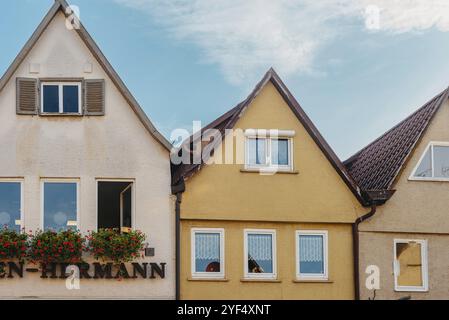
(188,60)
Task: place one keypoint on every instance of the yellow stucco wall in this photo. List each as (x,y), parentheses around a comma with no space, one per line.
(315,197)
(315,194)
(339,286)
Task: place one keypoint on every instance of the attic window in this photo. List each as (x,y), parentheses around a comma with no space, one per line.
(434,163)
(267,152)
(61,98)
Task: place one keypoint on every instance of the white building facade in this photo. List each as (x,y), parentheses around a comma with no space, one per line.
(76,150)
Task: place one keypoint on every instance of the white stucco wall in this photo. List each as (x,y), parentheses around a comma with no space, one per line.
(116,145)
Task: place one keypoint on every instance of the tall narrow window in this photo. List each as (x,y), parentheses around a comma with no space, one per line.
(434,163)
(207,253)
(115,205)
(11,205)
(61,98)
(260,253)
(410,265)
(280,152)
(311,255)
(60,205)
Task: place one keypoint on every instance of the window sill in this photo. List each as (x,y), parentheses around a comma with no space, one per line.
(261,280)
(60,114)
(268,172)
(429,179)
(208,279)
(422,290)
(312,281)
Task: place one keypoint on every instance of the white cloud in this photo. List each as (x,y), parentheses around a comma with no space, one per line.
(244,37)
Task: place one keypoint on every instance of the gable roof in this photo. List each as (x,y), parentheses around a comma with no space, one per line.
(230,118)
(376,166)
(62,5)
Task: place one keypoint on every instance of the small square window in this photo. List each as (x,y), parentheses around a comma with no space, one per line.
(61,98)
(311,253)
(269,153)
(260,254)
(207,253)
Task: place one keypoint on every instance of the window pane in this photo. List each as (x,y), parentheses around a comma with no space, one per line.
(408,256)
(425,167)
(9,205)
(311,254)
(51,98)
(59,206)
(280,152)
(71,99)
(441,161)
(260,253)
(207,252)
(126,207)
(257,151)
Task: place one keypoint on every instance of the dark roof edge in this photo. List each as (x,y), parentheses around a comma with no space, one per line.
(317,137)
(95,50)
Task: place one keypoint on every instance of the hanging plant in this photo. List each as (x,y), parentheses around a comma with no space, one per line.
(13,245)
(56,247)
(111,245)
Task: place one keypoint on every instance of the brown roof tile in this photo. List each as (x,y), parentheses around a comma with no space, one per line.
(376,166)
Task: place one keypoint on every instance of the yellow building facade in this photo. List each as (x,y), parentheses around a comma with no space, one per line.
(249,233)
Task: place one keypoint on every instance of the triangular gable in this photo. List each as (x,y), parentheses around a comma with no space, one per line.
(62,5)
(229,119)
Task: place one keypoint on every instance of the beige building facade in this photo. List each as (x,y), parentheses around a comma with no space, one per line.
(96,143)
(408,237)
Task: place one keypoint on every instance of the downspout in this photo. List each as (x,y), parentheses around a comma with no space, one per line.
(178,190)
(356,248)
(178,245)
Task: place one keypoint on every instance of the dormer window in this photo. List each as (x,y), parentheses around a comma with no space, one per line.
(61,97)
(434,163)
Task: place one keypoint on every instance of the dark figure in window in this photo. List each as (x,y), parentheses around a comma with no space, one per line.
(253,266)
(213,267)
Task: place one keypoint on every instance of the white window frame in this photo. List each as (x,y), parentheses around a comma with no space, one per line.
(133,200)
(269,136)
(207,275)
(60,180)
(61,98)
(424,267)
(433,178)
(248,275)
(22,210)
(312,276)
